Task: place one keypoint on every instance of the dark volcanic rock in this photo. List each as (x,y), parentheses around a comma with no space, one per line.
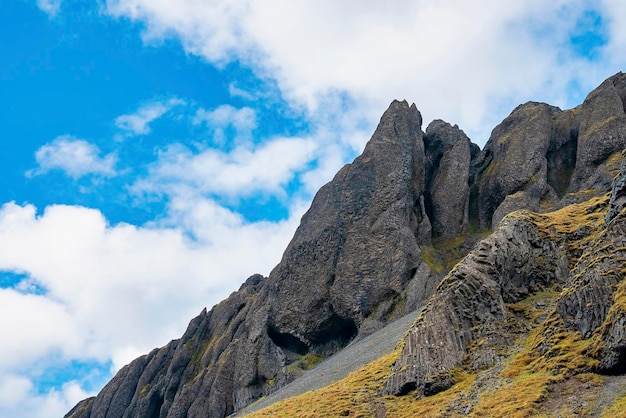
(82,409)
(469,323)
(193,376)
(541,157)
(513,165)
(469,305)
(595,303)
(618,195)
(357,246)
(561,155)
(601,133)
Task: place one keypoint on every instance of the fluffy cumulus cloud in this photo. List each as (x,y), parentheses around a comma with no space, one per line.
(95,293)
(102,290)
(19,398)
(226,117)
(239,164)
(138,123)
(239,173)
(76,157)
(464,62)
(614,17)
(212,29)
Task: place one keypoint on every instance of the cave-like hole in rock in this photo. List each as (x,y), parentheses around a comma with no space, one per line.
(334,333)
(619,368)
(154,405)
(561,164)
(287,341)
(407,388)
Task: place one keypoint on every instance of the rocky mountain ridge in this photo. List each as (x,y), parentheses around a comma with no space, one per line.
(379,238)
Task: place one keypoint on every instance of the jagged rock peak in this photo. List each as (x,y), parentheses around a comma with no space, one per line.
(357,246)
(541,157)
(397,119)
(353,265)
(601,131)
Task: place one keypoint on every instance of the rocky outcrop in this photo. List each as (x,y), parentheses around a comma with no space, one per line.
(357,246)
(470,306)
(499,334)
(471,319)
(514,165)
(449,153)
(192,376)
(618,194)
(372,247)
(594,304)
(541,157)
(601,133)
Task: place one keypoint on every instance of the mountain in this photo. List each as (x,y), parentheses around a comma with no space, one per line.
(514,254)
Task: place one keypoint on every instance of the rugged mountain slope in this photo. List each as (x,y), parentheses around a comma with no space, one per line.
(531,322)
(366,225)
(375,244)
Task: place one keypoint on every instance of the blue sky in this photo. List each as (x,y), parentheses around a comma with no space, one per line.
(75,74)
(156,154)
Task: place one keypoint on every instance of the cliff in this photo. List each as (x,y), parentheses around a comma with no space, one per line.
(540,296)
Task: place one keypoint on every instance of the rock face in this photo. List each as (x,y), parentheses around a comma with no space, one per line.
(540,157)
(618,195)
(470,305)
(450,152)
(601,131)
(515,161)
(373,247)
(471,319)
(357,246)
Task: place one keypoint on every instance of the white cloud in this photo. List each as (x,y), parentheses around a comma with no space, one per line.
(76,157)
(51,7)
(138,123)
(193,257)
(615,17)
(13,389)
(243,121)
(54,324)
(19,398)
(235,91)
(106,286)
(212,29)
(241,172)
(467,63)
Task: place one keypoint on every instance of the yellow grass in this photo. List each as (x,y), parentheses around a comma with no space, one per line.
(516,398)
(617,409)
(433,406)
(354,396)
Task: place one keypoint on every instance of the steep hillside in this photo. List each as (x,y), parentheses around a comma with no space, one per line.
(534,303)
